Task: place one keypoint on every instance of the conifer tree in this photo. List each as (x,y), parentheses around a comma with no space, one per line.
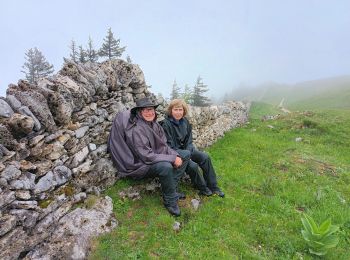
(91,54)
(175,92)
(187,94)
(74,51)
(36,65)
(82,54)
(110,48)
(198,97)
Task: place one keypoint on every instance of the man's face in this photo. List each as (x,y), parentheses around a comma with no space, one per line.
(177,112)
(148,113)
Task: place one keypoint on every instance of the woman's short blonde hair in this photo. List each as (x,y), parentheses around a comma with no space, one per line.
(178,103)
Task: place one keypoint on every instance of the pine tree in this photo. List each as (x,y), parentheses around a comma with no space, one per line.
(110,48)
(187,94)
(36,65)
(198,97)
(175,92)
(74,52)
(82,54)
(91,54)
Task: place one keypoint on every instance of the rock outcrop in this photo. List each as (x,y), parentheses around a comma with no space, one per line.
(54,161)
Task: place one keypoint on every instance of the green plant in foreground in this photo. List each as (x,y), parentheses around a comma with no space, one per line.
(319,238)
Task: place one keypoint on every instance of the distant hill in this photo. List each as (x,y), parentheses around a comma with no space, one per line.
(323,93)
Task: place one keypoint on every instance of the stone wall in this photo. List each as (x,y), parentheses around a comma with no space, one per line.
(54,161)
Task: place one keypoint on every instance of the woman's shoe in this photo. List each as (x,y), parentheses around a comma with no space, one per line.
(173,209)
(206,192)
(180,195)
(218,192)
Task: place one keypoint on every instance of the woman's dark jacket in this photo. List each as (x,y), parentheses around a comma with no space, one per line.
(135,144)
(178,133)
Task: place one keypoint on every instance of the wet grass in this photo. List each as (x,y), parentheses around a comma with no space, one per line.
(271,173)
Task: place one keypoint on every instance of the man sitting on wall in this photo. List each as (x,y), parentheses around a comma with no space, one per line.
(139,149)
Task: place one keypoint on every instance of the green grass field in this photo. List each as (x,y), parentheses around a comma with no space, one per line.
(269,180)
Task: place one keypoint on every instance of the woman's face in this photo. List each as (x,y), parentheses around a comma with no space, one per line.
(148,113)
(177,112)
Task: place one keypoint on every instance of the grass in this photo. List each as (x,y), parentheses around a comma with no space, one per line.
(269,180)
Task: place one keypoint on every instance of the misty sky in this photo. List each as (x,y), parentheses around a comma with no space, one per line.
(226,42)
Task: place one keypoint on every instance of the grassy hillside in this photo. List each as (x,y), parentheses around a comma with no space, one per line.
(270,180)
(326,93)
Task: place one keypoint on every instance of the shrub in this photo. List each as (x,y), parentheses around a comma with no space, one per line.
(319,238)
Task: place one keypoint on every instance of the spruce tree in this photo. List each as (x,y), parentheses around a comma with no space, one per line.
(187,94)
(175,92)
(36,66)
(198,97)
(110,48)
(82,54)
(74,51)
(91,54)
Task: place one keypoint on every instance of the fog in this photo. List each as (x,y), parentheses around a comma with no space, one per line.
(230,44)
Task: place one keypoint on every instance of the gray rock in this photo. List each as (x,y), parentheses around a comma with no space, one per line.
(6,198)
(92,147)
(11,173)
(37,103)
(71,239)
(5,109)
(29,204)
(59,176)
(195,204)
(79,157)
(20,125)
(26,218)
(22,194)
(46,183)
(176,226)
(24,182)
(54,136)
(24,110)
(62,174)
(13,102)
(79,133)
(7,223)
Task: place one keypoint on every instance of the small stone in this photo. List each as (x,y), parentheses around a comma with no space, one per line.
(176,226)
(23,194)
(298,139)
(195,203)
(92,147)
(79,133)
(27,166)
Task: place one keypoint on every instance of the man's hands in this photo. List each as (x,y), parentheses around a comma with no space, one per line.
(177,162)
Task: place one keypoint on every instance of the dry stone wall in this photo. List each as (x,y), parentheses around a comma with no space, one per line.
(54,161)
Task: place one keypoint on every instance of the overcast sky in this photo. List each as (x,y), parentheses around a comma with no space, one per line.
(226,42)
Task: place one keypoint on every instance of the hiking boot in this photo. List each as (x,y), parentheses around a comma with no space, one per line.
(180,195)
(173,209)
(218,192)
(205,192)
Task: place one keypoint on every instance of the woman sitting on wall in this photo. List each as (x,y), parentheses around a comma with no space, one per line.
(178,131)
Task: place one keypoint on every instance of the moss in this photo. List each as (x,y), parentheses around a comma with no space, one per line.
(45,203)
(90,201)
(67,190)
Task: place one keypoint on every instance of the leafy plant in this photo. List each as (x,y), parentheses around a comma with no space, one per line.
(319,238)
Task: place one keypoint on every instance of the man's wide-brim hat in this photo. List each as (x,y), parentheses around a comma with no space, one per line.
(142,103)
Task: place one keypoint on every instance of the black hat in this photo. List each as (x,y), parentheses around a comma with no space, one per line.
(143,102)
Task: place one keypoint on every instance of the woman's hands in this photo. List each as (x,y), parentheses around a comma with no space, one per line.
(177,162)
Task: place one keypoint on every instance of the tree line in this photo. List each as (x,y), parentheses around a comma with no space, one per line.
(192,95)
(36,66)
